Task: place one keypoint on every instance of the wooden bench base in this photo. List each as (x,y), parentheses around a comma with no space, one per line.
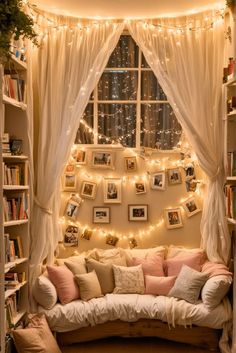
(198,336)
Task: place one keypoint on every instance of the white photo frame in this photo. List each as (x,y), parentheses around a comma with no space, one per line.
(88,189)
(130,164)
(69,182)
(79,155)
(158,180)
(103,159)
(112,190)
(72,206)
(191,206)
(138,213)
(101,214)
(173,218)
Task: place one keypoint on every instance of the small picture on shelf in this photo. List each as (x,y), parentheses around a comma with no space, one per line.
(88,190)
(173,218)
(191,206)
(71,236)
(16,146)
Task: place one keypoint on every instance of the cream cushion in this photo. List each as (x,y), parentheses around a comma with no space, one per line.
(144,253)
(44,292)
(214,290)
(77,267)
(129,279)
(104,273)
(188,285)
(89,286)
(114,256)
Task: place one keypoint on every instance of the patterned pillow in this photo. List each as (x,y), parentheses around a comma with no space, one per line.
(129,279)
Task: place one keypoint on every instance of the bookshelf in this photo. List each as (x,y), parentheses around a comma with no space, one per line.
(14,200)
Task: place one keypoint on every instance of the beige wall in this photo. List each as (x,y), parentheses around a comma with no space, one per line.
(172,196)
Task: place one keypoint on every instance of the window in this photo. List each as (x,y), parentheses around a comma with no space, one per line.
(128,105)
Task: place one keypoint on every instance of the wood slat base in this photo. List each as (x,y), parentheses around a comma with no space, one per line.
(198,336)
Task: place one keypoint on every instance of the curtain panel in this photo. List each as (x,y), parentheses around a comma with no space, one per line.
(186,56)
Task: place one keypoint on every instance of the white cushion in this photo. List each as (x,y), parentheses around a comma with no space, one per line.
(129,279)
(214,290)
(44,292)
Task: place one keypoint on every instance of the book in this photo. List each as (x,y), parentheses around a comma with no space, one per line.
(18,245)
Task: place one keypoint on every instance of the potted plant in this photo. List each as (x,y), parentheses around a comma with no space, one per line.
(14,23)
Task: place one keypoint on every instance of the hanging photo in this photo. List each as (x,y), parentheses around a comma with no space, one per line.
(111,240)
(87,233)
(71,236)
(69,182)
(158,180)
(112,190)
(130,164)
(140,187)
(174,176)
(88,190)
(72,207)
(191,206)
(132,243)
(103,159)
(70,168)
(173,218)
(138,212)
(190,178)
(101,215)
(79,155)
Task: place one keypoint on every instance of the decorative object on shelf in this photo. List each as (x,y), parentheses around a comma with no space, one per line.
(72,206)
(138,212)
(130,164)
(88,190)
(16,146)
(191,206)
(174,176)
(157,180)
(173,218)
(111,240)
(103,159)
(112,190)
(69,181)
(87,233)
(14,22)
(71,236)
(79,155)
(101,214)
(140,187)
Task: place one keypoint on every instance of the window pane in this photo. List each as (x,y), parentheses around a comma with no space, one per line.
(117,122)
(144,64)
(150,88)
(159,126)
(125,54)
(120,85)
(83,135)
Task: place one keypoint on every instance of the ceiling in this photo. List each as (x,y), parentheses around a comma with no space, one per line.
(126,8)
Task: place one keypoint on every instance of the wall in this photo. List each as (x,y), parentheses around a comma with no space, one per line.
(148,233)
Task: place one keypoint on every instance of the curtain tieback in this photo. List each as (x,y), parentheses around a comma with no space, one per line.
(213,178)
(44,209)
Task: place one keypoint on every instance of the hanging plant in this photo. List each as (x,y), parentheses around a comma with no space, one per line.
(14,23)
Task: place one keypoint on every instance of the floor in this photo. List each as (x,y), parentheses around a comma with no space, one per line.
(132,345)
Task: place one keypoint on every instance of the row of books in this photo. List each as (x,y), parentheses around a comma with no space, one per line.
(14,87)
(13,279)
(231,163)
(15,174)
(11,310)
(230,201)
(13,248)
(15,207)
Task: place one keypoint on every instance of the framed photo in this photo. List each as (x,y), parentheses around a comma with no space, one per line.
(111,240)
(72,207)
(71,236)
(103,159)
(16,147)
(101,215)
(138,212)
(70,168)
(69,181)
(174,176)
(191,206)
(140,187)
(88,190)
(87,233)
(173,218)
(130,164)
(79,156)
(112,190)
(158,180)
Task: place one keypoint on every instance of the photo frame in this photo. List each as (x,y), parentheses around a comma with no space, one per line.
(158,180)
(101,214)
(173,218)
(112,190)
(71,236)
(102,159)
(16,147)
(70,168)
(140,187)
(174,176)
(130,164)
(72,206)
(87,234)
(191,206)
(79,155)
(88,190)
(138,213)
(69,182)
(111,240)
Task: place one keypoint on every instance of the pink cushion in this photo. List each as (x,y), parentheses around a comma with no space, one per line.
(63,280)
(173,265)
(215,269)
(159,285)
(151,265)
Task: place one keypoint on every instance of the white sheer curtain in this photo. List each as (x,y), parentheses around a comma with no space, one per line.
(66,68)
(186,57)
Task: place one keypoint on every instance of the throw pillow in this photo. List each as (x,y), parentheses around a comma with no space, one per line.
(36,338)
(215,269)
(114,256)
(188,285)
(144,253)
(159,285)
(104,273)
(152,265)
(214,290)
(44,292)
(63,280)
(76,267)
(173,265)
(174,251)
(89,286)
(128,279)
